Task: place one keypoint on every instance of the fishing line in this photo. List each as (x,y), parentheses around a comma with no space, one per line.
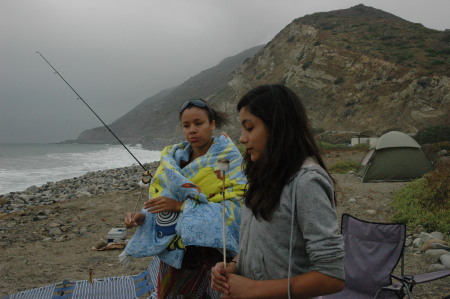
(79,97)
(146,176)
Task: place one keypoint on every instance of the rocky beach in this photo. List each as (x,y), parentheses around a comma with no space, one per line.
(47,233)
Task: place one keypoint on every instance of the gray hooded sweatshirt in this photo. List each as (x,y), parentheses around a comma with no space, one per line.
(317,243)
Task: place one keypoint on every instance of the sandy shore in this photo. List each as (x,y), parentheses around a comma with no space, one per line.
(32,256)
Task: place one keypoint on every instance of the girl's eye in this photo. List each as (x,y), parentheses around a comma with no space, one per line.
(249,129)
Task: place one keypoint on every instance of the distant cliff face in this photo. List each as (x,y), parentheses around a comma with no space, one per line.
(359,69)
(349,77)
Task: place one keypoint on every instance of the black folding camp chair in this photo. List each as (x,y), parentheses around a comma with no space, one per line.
(373,250)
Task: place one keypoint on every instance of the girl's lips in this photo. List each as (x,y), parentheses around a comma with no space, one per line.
(193,139)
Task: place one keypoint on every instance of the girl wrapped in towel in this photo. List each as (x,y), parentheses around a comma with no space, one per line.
(181,223)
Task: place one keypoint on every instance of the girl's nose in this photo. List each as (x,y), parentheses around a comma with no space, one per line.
(243,138)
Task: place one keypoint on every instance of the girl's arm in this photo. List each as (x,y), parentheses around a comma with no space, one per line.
(307,285)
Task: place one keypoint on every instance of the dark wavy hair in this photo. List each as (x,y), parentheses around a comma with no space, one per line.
(289,143)
(221,118)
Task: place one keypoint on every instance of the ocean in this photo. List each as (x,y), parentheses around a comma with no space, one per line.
(25,165)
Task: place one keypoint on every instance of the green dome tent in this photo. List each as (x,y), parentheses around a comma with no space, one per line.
(395,157)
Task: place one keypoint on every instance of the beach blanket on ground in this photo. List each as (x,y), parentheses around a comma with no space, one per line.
(199,186)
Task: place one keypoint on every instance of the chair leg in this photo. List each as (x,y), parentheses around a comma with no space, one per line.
(408,289)
(400,294)
(402,263)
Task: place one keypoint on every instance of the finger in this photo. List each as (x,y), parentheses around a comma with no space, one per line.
(218,275)
(155,210)
(152,202)
(221,269)
(220,287)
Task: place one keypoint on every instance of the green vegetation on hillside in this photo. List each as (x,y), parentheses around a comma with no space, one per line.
(383,35)
(332,146)
(425,202)
(344,167)
(433,134)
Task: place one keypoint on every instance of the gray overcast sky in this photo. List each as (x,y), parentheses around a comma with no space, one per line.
(116,53)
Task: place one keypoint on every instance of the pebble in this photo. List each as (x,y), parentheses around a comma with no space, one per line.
(88,185)
(436,253)
(442,153)
(408,241)
(83,231)
(426,236)
(439,246)
(436,267)
(419,229)
(55,231)
(438,235)
(64,228)
(445,260)
(430,244)
(101,243)
(54,224)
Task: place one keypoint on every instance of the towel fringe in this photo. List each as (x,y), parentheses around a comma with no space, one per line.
(124,259)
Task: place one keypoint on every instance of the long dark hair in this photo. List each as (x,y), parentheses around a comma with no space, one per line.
(289,143)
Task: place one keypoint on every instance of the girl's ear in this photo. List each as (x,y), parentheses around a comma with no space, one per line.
(213,124)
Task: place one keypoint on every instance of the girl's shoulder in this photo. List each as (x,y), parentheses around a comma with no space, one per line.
(310,170)
(311,184)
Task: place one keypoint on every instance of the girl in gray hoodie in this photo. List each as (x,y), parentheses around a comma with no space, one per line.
(289,240)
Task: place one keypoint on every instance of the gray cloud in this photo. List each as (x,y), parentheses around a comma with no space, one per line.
(117,53)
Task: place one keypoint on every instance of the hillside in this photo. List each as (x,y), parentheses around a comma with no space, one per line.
(357,70)
(154,121)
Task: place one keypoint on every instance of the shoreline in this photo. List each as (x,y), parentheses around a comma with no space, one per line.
(92,183)
(36,164)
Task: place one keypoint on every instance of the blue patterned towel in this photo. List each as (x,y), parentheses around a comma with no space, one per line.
(199,186)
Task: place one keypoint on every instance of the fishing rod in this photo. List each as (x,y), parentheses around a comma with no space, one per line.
(147,173)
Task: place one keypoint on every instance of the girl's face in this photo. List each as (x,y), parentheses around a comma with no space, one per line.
(254,134)
(196,128)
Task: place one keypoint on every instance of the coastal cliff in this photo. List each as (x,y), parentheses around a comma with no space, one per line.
(357,70)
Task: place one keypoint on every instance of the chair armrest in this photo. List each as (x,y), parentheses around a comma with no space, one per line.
(404,278)
(421,278)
